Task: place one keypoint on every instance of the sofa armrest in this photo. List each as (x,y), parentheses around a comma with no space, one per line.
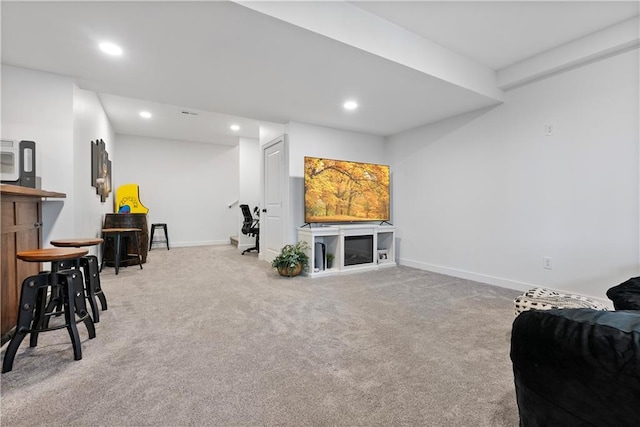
(577,367)
(626,296)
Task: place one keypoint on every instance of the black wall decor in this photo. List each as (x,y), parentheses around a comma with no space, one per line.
(100,169)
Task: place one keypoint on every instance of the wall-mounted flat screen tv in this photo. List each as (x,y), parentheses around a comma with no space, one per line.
(344,191)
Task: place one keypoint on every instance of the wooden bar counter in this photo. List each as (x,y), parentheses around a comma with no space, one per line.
(21,225)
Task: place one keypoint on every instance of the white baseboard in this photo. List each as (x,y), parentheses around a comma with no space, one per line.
(190,244)
(463,274)
(483,278)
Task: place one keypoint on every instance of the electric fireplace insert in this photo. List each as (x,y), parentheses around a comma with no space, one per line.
(358,250)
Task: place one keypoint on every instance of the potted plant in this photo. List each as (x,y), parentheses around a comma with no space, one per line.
(292,259)
(330,258)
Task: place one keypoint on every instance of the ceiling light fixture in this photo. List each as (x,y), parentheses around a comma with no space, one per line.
(111,49)
(145,114)
(234,127)
(350,105)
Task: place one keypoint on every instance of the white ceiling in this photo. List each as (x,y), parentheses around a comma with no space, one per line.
(501,33)
(174,122)
(230,63)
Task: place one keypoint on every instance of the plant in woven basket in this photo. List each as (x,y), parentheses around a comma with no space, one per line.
(292,259)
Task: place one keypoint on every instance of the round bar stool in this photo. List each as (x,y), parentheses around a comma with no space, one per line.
(116,234)
(89,265)
(33,316)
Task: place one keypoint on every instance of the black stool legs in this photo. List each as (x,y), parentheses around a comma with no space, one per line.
(90,267)
(166,235)
(117,234)
(89,264)
(31,316)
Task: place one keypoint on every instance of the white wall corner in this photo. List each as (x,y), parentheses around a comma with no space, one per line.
(619,38)
(269,131)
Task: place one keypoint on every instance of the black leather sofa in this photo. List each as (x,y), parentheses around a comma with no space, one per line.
(579,367)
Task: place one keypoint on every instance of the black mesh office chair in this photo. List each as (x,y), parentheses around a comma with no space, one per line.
(250,226)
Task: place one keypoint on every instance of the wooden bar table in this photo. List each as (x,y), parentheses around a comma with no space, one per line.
(116,235)
(128,220)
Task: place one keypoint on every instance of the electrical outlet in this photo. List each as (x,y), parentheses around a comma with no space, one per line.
(549,130)
(546,263)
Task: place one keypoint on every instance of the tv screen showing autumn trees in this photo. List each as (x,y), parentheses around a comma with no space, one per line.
(342,191)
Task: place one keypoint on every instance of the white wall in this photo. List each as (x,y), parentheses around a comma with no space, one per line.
(38,106)
(90,124)
(63,120)
(249,184)
(487,195)
(187,185)
(318,141)
(270,131)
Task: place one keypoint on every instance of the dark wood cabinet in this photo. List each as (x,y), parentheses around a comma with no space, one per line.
(21,230)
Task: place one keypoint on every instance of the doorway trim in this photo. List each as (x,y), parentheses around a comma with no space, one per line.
(285,202)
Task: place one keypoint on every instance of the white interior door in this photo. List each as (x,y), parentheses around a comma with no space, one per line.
(273,215)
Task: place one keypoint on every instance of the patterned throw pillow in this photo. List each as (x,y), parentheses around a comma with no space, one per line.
(546,299)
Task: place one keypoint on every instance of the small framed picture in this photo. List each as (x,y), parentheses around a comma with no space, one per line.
(383,255)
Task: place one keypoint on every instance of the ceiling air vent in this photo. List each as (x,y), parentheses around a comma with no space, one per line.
(189,113)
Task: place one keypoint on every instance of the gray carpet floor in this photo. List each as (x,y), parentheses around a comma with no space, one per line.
(205,336)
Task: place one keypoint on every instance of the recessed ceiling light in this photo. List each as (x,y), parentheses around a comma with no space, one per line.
(234,127)
(145,114)
(111,49)
(350,105)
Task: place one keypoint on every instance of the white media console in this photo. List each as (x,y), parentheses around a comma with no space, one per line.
(356,247)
